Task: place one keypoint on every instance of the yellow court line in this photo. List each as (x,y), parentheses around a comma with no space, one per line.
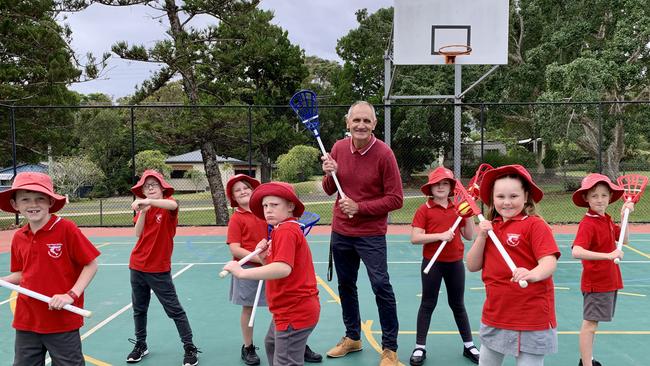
(637,251)
(631,294)
(366,327)
(95,361)
(12,303)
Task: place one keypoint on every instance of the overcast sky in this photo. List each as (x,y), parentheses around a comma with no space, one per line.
(314,25)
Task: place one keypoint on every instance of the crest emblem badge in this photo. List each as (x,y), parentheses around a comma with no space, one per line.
(55,250)
(158,218)
(513,240)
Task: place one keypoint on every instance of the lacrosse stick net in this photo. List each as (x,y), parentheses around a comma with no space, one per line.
(633,187)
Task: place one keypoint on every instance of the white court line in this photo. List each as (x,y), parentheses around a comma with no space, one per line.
(8,300)
(325,262)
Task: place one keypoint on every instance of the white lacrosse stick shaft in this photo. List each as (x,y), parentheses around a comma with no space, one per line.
(441,247)
(46,299)
(322,149)
(257,301)
(504,253)
(242,261)
(619,244)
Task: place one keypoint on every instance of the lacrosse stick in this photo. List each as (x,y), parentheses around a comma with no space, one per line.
(306,222)
(633,186)
(475,184)
(463,210)
(305,105)
(46,299)
(242,261)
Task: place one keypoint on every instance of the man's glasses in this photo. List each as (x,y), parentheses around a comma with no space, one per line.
(152,185)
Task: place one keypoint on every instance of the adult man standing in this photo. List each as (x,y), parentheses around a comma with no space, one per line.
(368,172)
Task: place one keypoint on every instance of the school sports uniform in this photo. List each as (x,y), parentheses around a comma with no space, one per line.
(150,267)
(51,261)
(247,229)
(434,218)
(518,319)
(292,300)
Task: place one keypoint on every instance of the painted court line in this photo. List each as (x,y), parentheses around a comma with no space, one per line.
(318,262)
(10,299)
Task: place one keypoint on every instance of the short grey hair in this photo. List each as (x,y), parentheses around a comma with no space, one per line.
(361,102)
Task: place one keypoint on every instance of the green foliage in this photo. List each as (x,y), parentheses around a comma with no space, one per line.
(297,165)
(70,173)
(197,178)
(151,159)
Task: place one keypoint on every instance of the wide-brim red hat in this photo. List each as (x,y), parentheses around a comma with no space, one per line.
(31,181)
(491,175)
(589,182)
(234,179)
(167,189)
(436,176)
(278,189)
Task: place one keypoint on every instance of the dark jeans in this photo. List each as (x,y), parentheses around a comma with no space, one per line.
(348,252)
(454,275)
(64,349)
(161,284)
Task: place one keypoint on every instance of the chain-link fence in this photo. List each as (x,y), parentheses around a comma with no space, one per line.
(90,150)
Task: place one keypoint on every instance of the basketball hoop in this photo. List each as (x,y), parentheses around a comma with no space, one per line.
(450,52)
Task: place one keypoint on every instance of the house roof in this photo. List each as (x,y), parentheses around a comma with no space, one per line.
(8,173)
(195,157)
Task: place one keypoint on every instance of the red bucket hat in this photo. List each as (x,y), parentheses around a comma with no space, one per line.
(167,189)
(31,181)
(278,189)
(234,179)
(436,176)
(491,175)
(590,182)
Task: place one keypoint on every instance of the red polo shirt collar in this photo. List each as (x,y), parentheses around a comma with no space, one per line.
(364,149)
(520,217)
(47,227)
(431,204)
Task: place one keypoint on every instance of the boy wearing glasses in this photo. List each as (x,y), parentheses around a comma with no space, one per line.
(150,264)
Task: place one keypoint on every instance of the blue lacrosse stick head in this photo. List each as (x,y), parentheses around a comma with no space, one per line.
(305,105)
(306,222)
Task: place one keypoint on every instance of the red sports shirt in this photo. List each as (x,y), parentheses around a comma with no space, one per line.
(153,251)
(508,306)
(247,229)
(292,300)
(51,261)
(434,218)
(599,234)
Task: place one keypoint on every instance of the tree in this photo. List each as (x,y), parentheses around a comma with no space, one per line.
(298,164)
(69,173)
(151,159)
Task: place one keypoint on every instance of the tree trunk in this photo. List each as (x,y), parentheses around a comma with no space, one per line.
(214,180)
(612,155)
(265,165)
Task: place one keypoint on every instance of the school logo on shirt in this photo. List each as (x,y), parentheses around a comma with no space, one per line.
(158,218)
(55,250)
(513,240)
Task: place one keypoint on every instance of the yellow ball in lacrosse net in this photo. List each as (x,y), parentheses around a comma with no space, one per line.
(464,209)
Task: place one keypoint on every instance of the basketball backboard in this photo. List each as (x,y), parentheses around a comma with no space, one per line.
(421,27)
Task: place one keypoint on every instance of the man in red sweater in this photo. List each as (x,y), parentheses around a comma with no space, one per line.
(368,173)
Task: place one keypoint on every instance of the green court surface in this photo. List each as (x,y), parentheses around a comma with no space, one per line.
(215,322)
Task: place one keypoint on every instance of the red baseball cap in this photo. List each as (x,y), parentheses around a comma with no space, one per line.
(31,181)
(278,189)
(234,179)
(491,175)
(436,176)
(167,189)
(590,182)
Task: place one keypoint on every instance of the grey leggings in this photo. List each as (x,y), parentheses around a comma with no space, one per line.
(490,357)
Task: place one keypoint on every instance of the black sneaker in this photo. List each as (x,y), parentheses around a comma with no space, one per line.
(249,355)
(418,360)
(190,358)
(311,356)
(593,363)
(467,352)
(140,350)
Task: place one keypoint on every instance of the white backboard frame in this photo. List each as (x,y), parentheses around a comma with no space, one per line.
(421,27)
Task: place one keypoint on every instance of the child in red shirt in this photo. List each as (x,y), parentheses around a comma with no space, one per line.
(291,291)
(431,226)
(595,244)
(150,263)
(51,256)
(515,321)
